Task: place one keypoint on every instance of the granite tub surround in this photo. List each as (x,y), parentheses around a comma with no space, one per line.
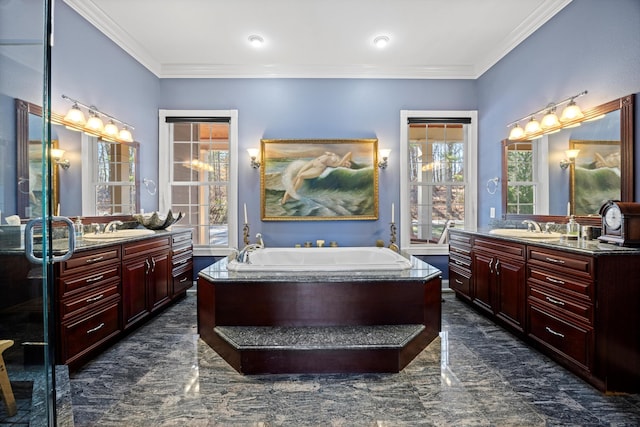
(474,374)
(319,321)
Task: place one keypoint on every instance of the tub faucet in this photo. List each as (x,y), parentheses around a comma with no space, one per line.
(111,226)
(532,225)
(243,256)
(259,240)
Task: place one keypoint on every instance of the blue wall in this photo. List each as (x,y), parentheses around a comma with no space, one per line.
(89,67)
(590,44)
(318,108)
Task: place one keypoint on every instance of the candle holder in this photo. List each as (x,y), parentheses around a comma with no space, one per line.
(245,232)
(392,240)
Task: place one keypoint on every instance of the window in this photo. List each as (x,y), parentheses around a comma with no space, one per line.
(521,188)
(109,187)
(199,154)
(438,187)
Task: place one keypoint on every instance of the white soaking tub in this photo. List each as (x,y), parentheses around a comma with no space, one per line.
(322,259)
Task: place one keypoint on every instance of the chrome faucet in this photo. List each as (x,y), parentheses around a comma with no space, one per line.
(259,240)
(112,226)
(243,256)
(547,226)
(532,226)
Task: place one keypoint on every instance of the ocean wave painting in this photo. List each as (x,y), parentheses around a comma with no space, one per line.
(319,179)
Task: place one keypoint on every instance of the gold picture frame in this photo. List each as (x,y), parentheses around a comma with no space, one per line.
(319,179)
(594,177)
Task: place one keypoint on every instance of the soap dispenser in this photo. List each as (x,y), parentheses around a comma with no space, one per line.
(573,228)
(78,228)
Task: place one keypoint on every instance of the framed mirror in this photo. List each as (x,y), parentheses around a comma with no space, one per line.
(539,180)
(29,161)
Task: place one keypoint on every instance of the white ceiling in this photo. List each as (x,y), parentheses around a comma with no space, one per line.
(318,38)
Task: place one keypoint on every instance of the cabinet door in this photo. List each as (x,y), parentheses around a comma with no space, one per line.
(510,291)
(483,278)
(159,280)
(134,290)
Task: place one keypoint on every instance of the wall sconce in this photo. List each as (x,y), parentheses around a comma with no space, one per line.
(94,126)
(384,154)
(570,160)
(571,116)
(253,153)
(56,154)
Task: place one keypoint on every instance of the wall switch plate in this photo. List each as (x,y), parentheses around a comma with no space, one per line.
(492,212)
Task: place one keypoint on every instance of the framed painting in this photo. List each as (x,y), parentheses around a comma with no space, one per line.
(312,180)
(595,175)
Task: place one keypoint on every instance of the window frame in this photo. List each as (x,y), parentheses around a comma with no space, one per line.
(470,183)
(165,161)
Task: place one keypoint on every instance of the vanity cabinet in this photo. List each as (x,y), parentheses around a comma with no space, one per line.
(145,278)
(499,280)
(181,263)
(576,302)
(102,292)
(560,304)
(460,265)
(88,302)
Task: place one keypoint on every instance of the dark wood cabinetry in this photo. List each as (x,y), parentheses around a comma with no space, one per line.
(578,307)
(103,292)
(89,302)
(145,278)
(499,280)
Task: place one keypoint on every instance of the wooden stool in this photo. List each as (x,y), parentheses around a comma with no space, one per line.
(5,384)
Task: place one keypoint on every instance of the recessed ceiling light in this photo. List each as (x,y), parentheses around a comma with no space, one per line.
(381,41)
(255,40)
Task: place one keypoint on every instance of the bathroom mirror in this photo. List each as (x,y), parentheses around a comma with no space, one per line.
(113,181)
(606,147)
(29,161)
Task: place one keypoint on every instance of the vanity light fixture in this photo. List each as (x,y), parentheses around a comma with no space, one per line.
(570,160)
(94,125)
(56,154)
(74,120)
(550,123)
(256,40)
(381,42)
(384,154)
(75,116)
(253,154)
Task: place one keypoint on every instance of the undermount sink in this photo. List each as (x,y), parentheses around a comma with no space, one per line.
(120,234)
(525,234)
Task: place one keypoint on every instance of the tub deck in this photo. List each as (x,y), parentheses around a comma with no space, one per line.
(319,323)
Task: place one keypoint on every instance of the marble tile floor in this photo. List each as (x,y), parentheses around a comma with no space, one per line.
(475,374)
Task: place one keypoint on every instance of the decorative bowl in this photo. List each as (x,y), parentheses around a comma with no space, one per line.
(157,222)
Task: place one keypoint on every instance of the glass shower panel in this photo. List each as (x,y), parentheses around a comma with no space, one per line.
(25,289)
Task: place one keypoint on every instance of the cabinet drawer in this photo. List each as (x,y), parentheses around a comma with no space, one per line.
(182,279)
(501,247)
(546,297)
(92,259)
(181,260)
(182,239)
(143,247)
(97,296)
(569,263)
(460,280)
(456,238)
(563,283)
(91,278)
(88,332)
(460,261)
(568,339)
(461,250)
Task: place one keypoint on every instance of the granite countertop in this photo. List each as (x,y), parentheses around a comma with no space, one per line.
(419,270)
(60,246)
(581,246)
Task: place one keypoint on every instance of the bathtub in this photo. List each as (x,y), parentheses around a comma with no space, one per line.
(322,259)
